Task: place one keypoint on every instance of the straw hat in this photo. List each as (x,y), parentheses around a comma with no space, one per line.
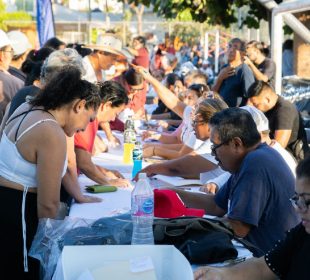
(108,43)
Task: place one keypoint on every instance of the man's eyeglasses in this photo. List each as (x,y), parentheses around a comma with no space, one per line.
(214,147)
(300,203)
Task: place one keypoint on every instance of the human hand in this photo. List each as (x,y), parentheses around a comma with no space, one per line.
(209,273)
(148,150)
(163,124)
(144,72)
(246,60)
(114,174)
(226,73)
(209,188)
(149,170)
(114,141)
(149,134)
(121,183)
(88,199)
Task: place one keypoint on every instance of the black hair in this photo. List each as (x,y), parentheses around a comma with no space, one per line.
(239,41)
(133,78)
(236,122)
(34,73)
(54,43)
(66,86)
(288,44)
(257,88)
(257,45)
(34,57)
(80,49)
(200,89)
(171,79)
(303,168)
(113,92)
(141,39)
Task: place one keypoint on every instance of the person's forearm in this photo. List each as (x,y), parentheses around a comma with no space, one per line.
(167,97)
(218,83)
(107,129)
(169,139)
(258,74)
(200,201)
(162,116)
(71,185)
(169,153)
(92,172)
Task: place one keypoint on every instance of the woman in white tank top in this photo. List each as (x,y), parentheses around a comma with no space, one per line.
(33,161)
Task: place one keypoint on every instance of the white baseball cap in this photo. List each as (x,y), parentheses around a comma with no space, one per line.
(20,42)
(4,39)
(259,118)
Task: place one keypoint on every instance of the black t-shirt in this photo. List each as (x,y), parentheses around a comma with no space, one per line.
(20,97)
(284,116)
(290,258)
(268,68)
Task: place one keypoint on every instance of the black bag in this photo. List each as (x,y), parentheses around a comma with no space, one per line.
(200,240)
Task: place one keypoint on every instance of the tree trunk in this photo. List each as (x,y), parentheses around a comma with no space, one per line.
(139,12)
(302,50)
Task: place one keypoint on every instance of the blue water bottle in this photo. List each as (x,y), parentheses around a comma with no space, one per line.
(137,155)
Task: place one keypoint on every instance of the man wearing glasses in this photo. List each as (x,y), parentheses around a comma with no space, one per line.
(9,84)
(255,200)
(290,257)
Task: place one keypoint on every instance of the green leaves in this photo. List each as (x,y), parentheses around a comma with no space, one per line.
(215,12)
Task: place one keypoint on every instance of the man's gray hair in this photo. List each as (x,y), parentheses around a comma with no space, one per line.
(57,60)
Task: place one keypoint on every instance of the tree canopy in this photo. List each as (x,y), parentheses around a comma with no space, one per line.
(213,12)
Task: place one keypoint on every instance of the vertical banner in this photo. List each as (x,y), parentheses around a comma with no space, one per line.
(45,21)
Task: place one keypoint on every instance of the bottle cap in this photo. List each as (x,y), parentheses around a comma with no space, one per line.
(142,176)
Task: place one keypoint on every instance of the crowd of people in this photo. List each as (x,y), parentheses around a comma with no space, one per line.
(232,131)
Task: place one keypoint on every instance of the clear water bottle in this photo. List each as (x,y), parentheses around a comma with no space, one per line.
(137,155)
(142,212)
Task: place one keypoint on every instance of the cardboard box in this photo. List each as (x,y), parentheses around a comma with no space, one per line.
(168,262)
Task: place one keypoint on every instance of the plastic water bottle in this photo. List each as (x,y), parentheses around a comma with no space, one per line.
(142,212)
(137,155)
(129,140)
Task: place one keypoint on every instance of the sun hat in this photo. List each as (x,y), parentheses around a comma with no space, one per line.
(110,43)
(259,118)
(4,39)
(168,204)
(20,42)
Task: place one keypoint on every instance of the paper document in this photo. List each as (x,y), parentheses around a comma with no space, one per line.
(178,181)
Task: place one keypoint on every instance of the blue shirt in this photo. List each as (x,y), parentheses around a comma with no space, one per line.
(234,88)
(258,194)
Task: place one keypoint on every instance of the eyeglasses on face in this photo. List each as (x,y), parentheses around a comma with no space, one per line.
(214,147)
(299,202)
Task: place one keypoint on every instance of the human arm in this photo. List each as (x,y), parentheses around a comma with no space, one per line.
(133,51)
(85,164)
(223,75)
(282,136)
(156,149)
(70,180)
(188,166)
(99,146)
(114,141)
(50,144)
(254,269)
(165,95)
(213,185)
(257,74)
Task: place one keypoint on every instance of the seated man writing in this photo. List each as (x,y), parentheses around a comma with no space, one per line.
(255,200)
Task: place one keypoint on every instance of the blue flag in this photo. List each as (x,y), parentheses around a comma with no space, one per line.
(45,21)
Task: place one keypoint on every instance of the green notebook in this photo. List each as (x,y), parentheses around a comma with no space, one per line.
(100,189)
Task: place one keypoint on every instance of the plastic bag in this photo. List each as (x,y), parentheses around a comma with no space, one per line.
(53,235)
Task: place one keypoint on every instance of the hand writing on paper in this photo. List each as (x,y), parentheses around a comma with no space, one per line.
(209,188)
(114,141)
(122,183)
(114,174)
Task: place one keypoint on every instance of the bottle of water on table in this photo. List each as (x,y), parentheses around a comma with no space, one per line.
(142,212)
(137,155)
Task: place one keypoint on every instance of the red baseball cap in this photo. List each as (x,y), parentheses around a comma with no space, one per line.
(168,204)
